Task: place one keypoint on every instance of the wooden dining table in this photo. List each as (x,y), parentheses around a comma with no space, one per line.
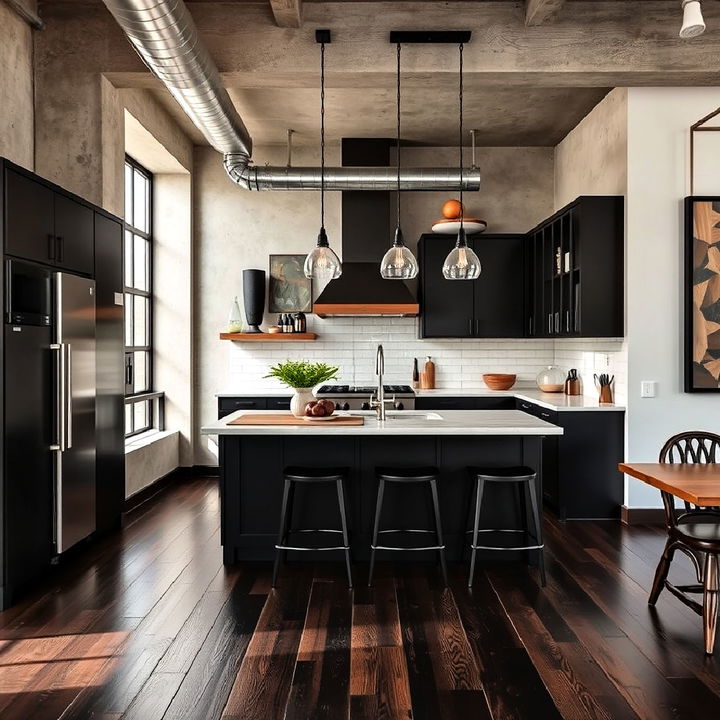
(694,531)
(696,483)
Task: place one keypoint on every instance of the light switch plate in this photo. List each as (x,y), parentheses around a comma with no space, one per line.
(118,298)
(647,388)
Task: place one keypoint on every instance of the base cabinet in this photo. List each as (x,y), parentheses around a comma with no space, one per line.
(580,476)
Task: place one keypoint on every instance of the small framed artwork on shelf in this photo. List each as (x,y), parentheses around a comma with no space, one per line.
(702,294)
(290,290)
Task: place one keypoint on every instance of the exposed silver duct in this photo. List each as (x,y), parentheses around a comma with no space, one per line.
(255,177)
(166,38)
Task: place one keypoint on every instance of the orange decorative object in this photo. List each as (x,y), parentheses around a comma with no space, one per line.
(452,209)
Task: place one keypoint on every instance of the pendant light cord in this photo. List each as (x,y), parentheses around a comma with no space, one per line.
(398,135)
(322,135)
(462,209)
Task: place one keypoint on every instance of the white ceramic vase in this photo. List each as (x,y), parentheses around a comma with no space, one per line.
(301,397)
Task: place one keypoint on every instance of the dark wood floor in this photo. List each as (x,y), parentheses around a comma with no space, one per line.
(149,625)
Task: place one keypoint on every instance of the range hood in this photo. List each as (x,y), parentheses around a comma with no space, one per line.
(367,233)
(361,291)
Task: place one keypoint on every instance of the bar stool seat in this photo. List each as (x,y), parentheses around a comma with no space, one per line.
(403,475)
(525,479)
(300,474)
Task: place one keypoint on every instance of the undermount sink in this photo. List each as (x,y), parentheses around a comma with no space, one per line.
(404,415)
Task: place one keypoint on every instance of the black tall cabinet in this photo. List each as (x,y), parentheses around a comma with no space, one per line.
(47,227)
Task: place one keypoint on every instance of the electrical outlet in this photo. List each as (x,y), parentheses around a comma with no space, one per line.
(647,388)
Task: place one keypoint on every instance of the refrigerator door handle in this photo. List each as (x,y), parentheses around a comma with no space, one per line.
(59,402)
(68,407)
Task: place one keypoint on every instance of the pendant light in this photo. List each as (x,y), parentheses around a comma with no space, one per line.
(322,263)
(398,263)
(462,263)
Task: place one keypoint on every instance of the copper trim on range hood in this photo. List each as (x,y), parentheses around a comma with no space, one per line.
(368,310)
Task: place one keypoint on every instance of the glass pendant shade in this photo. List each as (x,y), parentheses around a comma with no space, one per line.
(461,263)
(398,263)
(322,263)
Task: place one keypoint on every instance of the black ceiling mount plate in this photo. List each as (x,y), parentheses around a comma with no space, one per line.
(323,36)
(430,36)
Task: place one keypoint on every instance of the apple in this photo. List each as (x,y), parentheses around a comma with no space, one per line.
(318,410)
(329,406)
(309,407)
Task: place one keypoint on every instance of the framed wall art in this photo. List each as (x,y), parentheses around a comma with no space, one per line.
(290,290)
(702,294)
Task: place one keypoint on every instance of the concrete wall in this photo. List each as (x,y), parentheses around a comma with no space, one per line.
(16,89)
(149,459)
(592,159)
(516,189)
(658,180)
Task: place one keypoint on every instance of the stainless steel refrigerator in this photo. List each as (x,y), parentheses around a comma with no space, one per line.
(49,413)
(74,324)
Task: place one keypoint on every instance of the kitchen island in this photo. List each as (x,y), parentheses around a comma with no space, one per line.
(252,458)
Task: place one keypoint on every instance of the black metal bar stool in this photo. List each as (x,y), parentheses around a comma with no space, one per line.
(293,475)
(407,475)
(524,478)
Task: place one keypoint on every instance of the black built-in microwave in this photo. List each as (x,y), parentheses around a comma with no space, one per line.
(28,293)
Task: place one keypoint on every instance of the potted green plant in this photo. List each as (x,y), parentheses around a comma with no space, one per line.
(302,377)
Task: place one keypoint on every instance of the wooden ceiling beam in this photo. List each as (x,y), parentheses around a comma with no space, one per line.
(287,13)
(538,11)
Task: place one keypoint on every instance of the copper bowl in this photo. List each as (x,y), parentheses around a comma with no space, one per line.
(499,381)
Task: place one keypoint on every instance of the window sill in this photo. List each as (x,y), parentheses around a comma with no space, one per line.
(136,442)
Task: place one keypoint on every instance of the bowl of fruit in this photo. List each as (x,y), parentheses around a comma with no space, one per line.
(320,410)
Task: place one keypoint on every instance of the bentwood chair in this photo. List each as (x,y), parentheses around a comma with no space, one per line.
(695,532)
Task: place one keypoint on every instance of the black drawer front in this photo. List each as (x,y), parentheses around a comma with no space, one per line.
(494,403)
(231,404)
(536,410)
(445,403)
(278,403)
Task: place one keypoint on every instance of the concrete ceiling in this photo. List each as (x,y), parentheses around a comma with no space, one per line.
(511,116)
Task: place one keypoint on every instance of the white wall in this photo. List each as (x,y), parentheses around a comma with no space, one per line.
(658,180)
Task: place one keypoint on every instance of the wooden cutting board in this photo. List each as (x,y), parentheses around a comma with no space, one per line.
(287,419)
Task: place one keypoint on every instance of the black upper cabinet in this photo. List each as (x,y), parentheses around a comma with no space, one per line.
(446,305)
(565,278)
(490,307)
(29,225)
(74,236)
(576,270)
(47,226)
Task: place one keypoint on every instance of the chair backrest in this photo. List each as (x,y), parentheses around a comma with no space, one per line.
(691,447)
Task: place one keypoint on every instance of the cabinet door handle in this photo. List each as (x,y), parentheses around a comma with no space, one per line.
(477,328)
(557,322)
(51,247)
(245,403)
(60,246)
(549,323)
(470,327)
(567,321)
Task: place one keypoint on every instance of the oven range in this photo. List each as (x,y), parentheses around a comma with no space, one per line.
(357,397)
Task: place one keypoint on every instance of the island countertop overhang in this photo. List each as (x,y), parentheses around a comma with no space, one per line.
(407,422)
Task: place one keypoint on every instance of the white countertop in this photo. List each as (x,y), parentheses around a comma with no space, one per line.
(402,422)
(552,401)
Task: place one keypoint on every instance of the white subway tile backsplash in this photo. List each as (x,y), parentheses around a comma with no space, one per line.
(350,343)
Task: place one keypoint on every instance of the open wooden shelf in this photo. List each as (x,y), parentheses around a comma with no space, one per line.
(268,337)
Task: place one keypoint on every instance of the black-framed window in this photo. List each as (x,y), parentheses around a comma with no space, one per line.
(138,295)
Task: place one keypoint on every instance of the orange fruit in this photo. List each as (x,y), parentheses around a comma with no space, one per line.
(452,209)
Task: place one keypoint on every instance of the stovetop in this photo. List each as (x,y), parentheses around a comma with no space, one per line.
(363,390)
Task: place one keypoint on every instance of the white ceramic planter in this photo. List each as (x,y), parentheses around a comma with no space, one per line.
(301,397)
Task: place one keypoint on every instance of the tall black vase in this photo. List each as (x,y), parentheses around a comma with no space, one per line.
(254,298)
